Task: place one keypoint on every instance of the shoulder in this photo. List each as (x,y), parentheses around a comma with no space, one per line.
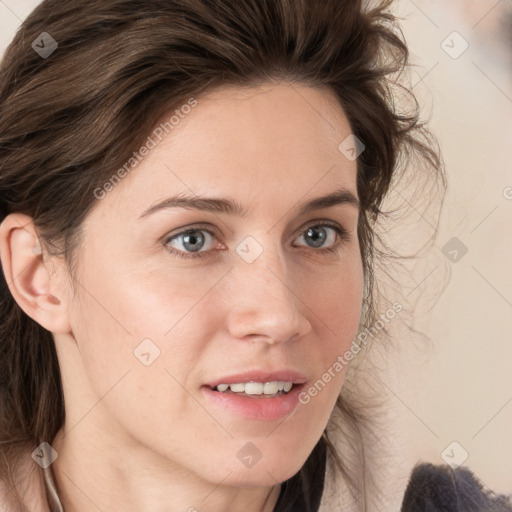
(444,489)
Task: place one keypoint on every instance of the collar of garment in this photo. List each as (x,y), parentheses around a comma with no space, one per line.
(51,490)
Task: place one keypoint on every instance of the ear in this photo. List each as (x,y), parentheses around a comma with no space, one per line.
(40,293)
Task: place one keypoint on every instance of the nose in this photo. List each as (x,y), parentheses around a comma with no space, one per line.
(265,306)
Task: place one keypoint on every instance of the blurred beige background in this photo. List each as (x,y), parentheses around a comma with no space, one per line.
(456,400)
(453,402)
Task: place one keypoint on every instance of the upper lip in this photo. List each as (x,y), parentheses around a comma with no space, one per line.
(260,376)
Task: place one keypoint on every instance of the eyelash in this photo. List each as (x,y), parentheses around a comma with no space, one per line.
(343,236)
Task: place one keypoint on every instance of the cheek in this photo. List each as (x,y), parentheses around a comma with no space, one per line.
(335,307)
(335,300)
(125,319)
(136,346)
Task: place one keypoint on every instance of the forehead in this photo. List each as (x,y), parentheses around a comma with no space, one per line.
(275,142)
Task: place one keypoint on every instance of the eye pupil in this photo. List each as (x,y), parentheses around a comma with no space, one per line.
(319,239)
(192,238)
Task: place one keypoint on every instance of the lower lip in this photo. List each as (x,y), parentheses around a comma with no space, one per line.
(257,408)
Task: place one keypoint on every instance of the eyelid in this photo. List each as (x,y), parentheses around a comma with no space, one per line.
(194,227)
(341,228)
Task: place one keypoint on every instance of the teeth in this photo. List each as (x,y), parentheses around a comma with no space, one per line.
(253,388)
(257,388)
(270,388)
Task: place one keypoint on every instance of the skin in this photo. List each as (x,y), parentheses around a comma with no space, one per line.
(144,438)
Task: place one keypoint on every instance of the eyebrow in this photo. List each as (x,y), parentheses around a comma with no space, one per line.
(232,207)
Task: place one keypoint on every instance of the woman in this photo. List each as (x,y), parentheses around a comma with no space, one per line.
(190,194)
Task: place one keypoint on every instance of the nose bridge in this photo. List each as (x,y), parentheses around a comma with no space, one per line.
(264,302)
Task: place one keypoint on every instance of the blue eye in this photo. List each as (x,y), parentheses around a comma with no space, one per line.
(318,234)
(193,240)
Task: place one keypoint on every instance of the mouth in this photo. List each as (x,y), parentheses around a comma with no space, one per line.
(257,394)
(251,402)
(272,389)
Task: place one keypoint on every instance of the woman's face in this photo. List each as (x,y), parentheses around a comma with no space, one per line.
(256,293)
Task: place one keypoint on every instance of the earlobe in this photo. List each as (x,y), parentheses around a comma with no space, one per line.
(33,287)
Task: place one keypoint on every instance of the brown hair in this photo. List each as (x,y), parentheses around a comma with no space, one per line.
(69,120)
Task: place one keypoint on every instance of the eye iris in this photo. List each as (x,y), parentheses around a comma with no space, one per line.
(318,240)
(192,238)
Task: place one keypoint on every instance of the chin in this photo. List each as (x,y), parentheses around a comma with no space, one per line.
(273,464)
